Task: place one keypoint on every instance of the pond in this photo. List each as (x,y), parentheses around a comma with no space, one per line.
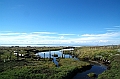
(59,53)
(96,68)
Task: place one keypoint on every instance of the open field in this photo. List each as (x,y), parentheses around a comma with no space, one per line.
(7,53)
(114,71)
(109,55)
(40,69)
(14,66)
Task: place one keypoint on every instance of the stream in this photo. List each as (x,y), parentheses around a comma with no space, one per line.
(96,68)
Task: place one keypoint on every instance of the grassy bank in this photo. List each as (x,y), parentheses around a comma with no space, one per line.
(41,69)
(7,53)
(114,71)
(13,67)
(107,55)
(29,67)
(95,53)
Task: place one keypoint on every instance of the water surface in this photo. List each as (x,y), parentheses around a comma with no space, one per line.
(96,68)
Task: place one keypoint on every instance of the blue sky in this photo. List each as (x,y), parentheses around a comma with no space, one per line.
(83,22)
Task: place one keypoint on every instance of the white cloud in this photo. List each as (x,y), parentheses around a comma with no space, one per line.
(61,37)
(113,29)
(43,33)
(10,33)
(110,30)
(66,34)
(56,38)
(102,35)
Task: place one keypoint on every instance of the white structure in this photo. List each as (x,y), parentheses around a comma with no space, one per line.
(67,49)
(19,54)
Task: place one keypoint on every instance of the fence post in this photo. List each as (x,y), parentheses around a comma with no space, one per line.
(44,56)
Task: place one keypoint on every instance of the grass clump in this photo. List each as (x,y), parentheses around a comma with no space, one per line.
(114,71)
(91,75)
(41,69)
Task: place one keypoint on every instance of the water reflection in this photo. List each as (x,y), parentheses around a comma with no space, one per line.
(96,68)
(59,53)
(49,54)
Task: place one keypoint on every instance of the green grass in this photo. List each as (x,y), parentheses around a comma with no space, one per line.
(95,53)
(41,69)
(114,71)
(72,62)
(91,75)
(45,69)
(102,54)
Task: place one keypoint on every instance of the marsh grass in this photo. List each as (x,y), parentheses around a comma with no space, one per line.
(45,69)
(107,53)
(41,69)
(114,71)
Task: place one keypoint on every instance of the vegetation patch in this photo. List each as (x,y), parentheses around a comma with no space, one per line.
(109,55)
(92,75)
(31,67)
(80,65)
(114,71)
(41,69)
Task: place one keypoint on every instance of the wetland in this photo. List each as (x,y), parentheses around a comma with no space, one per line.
(56,63)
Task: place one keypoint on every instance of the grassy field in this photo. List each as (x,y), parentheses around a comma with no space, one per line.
(13,67)
(114,71)
(92,53)
(7,53)
(27,67)
(109,55)
(40,69)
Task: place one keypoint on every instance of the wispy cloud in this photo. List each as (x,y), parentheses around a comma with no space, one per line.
(43,33)
(25,38)
(117,26)
(66,34)
(11,34)
(56,38)
(113,29)
(102,35)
